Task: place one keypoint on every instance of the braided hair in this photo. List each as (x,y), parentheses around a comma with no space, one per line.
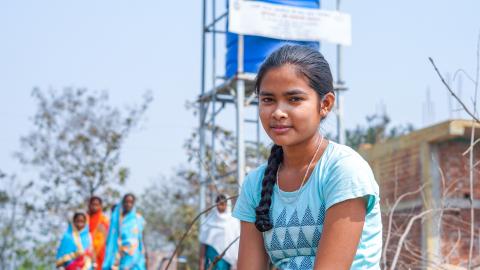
(310,64)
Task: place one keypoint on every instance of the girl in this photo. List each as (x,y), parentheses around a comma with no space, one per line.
(315,205)
(125,248)
(216,234)
(75,250)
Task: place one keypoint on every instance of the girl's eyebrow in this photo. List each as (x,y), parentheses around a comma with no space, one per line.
(294,92)
(288,93)
(265,93)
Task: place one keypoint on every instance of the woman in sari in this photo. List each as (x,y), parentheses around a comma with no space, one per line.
(125,248)
(219,232)
(99,224)
(75,250)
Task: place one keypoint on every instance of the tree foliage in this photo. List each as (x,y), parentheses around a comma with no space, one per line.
(377,130)
(169,205)
(15,211)
(74,144)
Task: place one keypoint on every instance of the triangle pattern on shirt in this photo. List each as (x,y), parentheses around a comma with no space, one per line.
(321,215)
(316,237)
(294,220)
(282,219)
(307,219)
(288,242)
(302,240)
(275,244)
(293,264)
(306,264)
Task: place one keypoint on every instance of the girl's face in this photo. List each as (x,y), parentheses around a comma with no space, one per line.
(290,110)
(79,222)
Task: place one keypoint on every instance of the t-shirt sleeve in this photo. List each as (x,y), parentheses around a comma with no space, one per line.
(247,201)
(351,177)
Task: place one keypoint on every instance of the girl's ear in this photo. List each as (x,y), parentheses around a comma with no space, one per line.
(326,104)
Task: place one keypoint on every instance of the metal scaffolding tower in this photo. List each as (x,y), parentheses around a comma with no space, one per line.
(238,91)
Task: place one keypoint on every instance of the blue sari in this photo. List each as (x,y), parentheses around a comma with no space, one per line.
(210,255)
(75,250)
(125,248)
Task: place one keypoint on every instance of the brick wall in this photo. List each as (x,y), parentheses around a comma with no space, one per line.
(400,166)
(455,230)
(455,167)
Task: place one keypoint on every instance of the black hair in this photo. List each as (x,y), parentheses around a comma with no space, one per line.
(129,195)
(220,198)
(93,198)
(79,214)
(312,65)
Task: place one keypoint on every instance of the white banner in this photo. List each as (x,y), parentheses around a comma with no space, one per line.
(289,23)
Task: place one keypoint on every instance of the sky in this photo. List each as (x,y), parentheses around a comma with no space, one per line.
(128,47)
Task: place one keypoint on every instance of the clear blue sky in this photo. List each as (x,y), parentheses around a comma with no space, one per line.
(126,47)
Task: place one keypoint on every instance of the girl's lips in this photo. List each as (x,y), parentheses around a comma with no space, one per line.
(280,129)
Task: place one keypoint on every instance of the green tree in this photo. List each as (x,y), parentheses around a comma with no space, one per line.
(15,212)
(377,130)
(170,205)
(74,145)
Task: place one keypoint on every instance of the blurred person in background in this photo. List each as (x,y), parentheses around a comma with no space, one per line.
(98,223)
(216,234)
(125,248)
(75,250)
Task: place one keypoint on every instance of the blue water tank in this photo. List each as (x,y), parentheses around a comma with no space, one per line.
(256,49)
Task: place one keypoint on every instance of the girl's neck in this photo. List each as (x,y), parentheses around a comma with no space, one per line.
(298,156)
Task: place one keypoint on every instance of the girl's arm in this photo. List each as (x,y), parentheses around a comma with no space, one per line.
(252,254)
(341,235)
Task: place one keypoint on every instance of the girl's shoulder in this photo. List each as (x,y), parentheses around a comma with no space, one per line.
(253,180)
(257,173)
(341,156)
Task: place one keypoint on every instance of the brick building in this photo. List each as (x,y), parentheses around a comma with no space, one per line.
(429,161)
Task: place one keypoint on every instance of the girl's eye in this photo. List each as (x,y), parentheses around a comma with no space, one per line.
(295,99)
(267,100)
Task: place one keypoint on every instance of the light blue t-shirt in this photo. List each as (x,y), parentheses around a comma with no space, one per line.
(339,175)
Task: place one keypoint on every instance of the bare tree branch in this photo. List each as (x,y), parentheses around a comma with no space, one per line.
(460,70)
(220,256)
(471,157)
(390,221)
(459,237)
(453,93)
(407,231)
(179,244)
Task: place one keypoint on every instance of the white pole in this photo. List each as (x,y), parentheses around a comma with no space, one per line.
(240,113)
(339,99)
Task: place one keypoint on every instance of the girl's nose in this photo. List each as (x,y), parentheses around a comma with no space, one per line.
(279,113)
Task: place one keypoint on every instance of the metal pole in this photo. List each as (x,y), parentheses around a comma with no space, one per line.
(201,175)
(339,99)
(240,114)
(259,158)
(214,98)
